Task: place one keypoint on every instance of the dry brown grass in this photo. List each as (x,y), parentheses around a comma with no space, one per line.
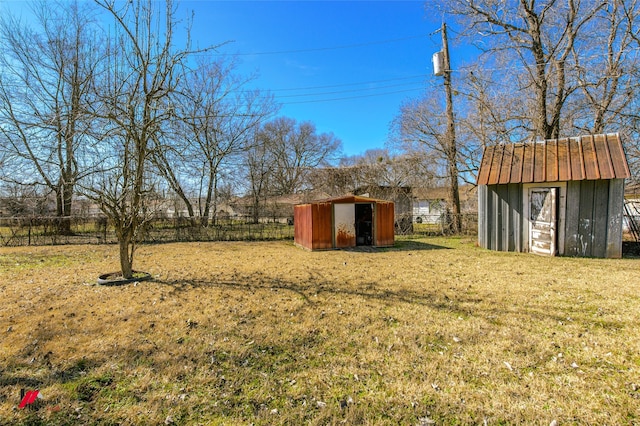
(266,333)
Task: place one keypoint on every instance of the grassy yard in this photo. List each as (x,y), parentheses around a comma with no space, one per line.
(432,331)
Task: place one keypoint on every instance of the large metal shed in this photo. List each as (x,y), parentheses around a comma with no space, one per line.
(343,222)
(554,197)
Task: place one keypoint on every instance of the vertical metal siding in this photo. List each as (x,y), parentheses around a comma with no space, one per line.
(314,222)
(302,225)
(572,241)
(500,223)
(344,231)
(515,218)
(585,218)
(600,210)
(503,217)
(384,223)
(482,216)
(593,225)
(614,218)
(322,234)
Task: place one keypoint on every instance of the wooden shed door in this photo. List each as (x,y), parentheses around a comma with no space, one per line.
(543,220)
(344,219)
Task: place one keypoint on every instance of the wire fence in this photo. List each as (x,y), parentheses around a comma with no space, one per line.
(40,231)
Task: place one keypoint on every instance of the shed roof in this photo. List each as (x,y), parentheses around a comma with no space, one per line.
(347,199)
(589,157)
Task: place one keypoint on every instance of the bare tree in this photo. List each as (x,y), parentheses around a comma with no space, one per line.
(47,71)
(217,117)
(296,149)
(259,164)
(541,39)
(131,104)
(421,129)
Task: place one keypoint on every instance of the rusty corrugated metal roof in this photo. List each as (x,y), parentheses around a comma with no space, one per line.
(555,160)
(347,199)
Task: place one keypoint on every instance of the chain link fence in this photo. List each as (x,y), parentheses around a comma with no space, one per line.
(39,230)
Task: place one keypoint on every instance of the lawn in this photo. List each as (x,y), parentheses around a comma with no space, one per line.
(432,331)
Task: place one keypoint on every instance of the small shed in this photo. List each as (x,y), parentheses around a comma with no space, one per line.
(554,197)
(343,222)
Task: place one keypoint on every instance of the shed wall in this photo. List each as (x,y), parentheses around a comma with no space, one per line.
(384,218)
(500,221)
(594,218)
(303,225)
(592,226)
(322,226)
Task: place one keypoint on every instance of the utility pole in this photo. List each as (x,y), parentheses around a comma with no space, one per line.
(450,136)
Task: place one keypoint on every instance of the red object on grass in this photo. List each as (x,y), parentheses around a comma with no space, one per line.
(29,398)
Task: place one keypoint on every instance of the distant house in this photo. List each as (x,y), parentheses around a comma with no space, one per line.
(273,208)
(430,205)
(560,196)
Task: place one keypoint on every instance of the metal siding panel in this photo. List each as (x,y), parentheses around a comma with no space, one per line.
(482,216)
(566,159)
(505,169)
(527,163)
(614,219)
(600,222)
(590,159)
(485,165)
(344,215)
(492,217)
(552,161)
(515,200)
(513,217)
(618,158)
(496,164)
(322,226)
(516,164)
(585,220)
(488,218)
(604,157)
(540,162)
(572,219)
(302,226)
(384,232)
(575,156)
(503,207)
(564,164)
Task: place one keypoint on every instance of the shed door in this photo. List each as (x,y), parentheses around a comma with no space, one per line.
(344,219)
(543,220)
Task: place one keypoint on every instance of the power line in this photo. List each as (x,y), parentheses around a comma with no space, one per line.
(349,97)
(320,49)
(350,84)
(348,91)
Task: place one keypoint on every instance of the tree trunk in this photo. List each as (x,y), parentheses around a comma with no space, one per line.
(126,254)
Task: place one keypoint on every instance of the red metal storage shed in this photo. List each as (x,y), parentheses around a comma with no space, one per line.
(342,222)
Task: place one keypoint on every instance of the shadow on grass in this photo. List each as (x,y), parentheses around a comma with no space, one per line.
(403,245)
(315,285)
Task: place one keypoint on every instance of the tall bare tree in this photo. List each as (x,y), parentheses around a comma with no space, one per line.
(259,164)
(296,148)
(282,156)
(567,62)
(47,71)
(217,116)
(132,107)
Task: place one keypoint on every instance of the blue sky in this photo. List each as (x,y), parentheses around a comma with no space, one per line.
(344,65)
